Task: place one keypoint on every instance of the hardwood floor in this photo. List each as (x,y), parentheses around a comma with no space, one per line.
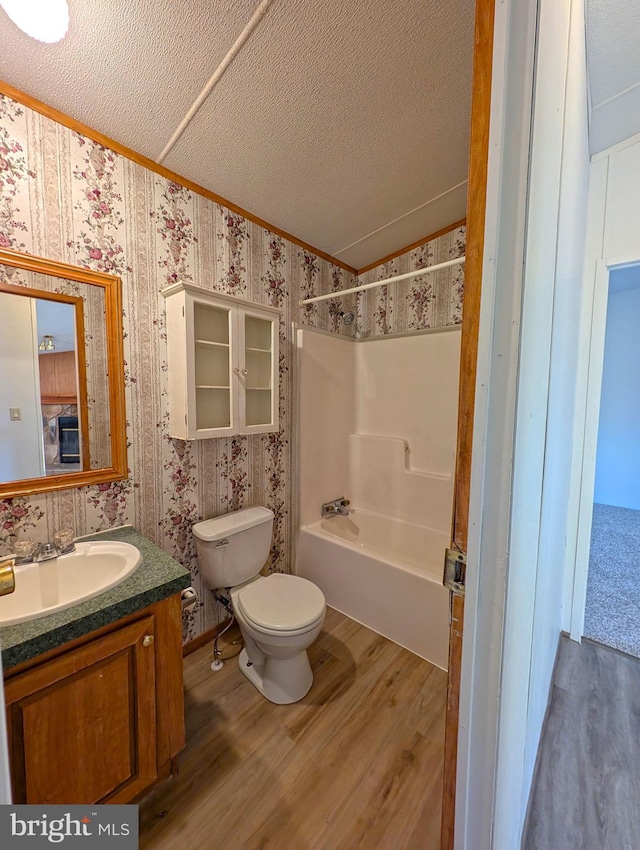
(587,785)
(356,764)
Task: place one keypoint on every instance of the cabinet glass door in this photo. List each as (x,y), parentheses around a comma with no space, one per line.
(259,367)
(212,366)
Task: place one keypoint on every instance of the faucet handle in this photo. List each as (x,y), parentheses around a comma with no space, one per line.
(25,550)
(63,540)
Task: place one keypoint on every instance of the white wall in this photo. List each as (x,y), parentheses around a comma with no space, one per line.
(618,453)
(22,454)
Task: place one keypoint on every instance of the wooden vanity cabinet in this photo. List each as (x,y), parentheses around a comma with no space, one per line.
(101,719)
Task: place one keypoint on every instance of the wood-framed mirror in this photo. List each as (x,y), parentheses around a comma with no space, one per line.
(62,406)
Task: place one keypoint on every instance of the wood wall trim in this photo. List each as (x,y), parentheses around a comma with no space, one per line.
(476,210)
(423,241)
(67,121)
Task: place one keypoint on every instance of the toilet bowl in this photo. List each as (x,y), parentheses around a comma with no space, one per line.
(279,615)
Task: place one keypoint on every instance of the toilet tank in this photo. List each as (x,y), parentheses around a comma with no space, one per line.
(234,547)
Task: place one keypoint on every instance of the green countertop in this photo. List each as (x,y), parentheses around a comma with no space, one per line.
(158,577)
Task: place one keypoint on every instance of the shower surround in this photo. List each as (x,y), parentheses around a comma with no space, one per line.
(377,424)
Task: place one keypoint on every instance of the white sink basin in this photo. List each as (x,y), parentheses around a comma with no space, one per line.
(48,586)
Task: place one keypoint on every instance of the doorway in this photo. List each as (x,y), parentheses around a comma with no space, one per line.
(612,614)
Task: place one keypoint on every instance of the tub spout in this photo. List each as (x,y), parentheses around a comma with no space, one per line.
(337,507)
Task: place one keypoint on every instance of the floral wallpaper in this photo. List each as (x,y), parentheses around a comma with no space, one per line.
(68,198)
(429,301)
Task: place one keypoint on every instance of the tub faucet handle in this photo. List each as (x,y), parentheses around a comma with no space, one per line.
(336,507)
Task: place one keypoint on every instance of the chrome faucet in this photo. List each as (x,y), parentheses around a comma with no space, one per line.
(46,552)
(337,507)
(62,545)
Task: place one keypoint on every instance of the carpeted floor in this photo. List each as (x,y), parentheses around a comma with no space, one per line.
(613,587)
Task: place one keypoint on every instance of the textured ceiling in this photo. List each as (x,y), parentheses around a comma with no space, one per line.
(613,28)
(345,124)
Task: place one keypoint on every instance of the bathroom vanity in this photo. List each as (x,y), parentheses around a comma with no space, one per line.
(94,693)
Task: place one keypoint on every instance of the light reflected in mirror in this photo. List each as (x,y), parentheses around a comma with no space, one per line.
(61,394)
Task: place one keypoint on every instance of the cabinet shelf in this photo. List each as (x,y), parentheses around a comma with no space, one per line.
(209,343)
(212,386)
(260,350)
(259,389)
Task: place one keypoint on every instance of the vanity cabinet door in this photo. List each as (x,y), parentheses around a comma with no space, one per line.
(82,727)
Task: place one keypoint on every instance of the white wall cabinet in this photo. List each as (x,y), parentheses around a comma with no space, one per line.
(223,364)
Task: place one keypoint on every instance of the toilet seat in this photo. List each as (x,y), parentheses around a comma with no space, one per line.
(281,604)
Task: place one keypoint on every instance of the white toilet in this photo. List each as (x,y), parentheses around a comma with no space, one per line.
(279,615)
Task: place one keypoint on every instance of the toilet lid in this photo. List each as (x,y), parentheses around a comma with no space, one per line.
(282,602)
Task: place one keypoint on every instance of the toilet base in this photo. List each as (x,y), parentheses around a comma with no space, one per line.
(283,681)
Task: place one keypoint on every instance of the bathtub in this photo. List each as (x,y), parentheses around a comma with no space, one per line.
(385,573)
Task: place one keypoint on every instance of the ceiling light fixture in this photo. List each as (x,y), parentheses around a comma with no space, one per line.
(44,20)
(46,343)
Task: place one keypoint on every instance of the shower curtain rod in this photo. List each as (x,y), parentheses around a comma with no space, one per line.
(376,283)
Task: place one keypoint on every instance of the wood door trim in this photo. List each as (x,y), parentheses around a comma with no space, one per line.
(476,210)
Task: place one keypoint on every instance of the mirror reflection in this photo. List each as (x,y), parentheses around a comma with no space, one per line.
(54,393)
(59,392)
(40,390)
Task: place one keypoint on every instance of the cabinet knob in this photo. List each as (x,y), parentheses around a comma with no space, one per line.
(147,640)
(239,371)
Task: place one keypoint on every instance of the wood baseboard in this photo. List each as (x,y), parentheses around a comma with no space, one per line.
(204,638)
